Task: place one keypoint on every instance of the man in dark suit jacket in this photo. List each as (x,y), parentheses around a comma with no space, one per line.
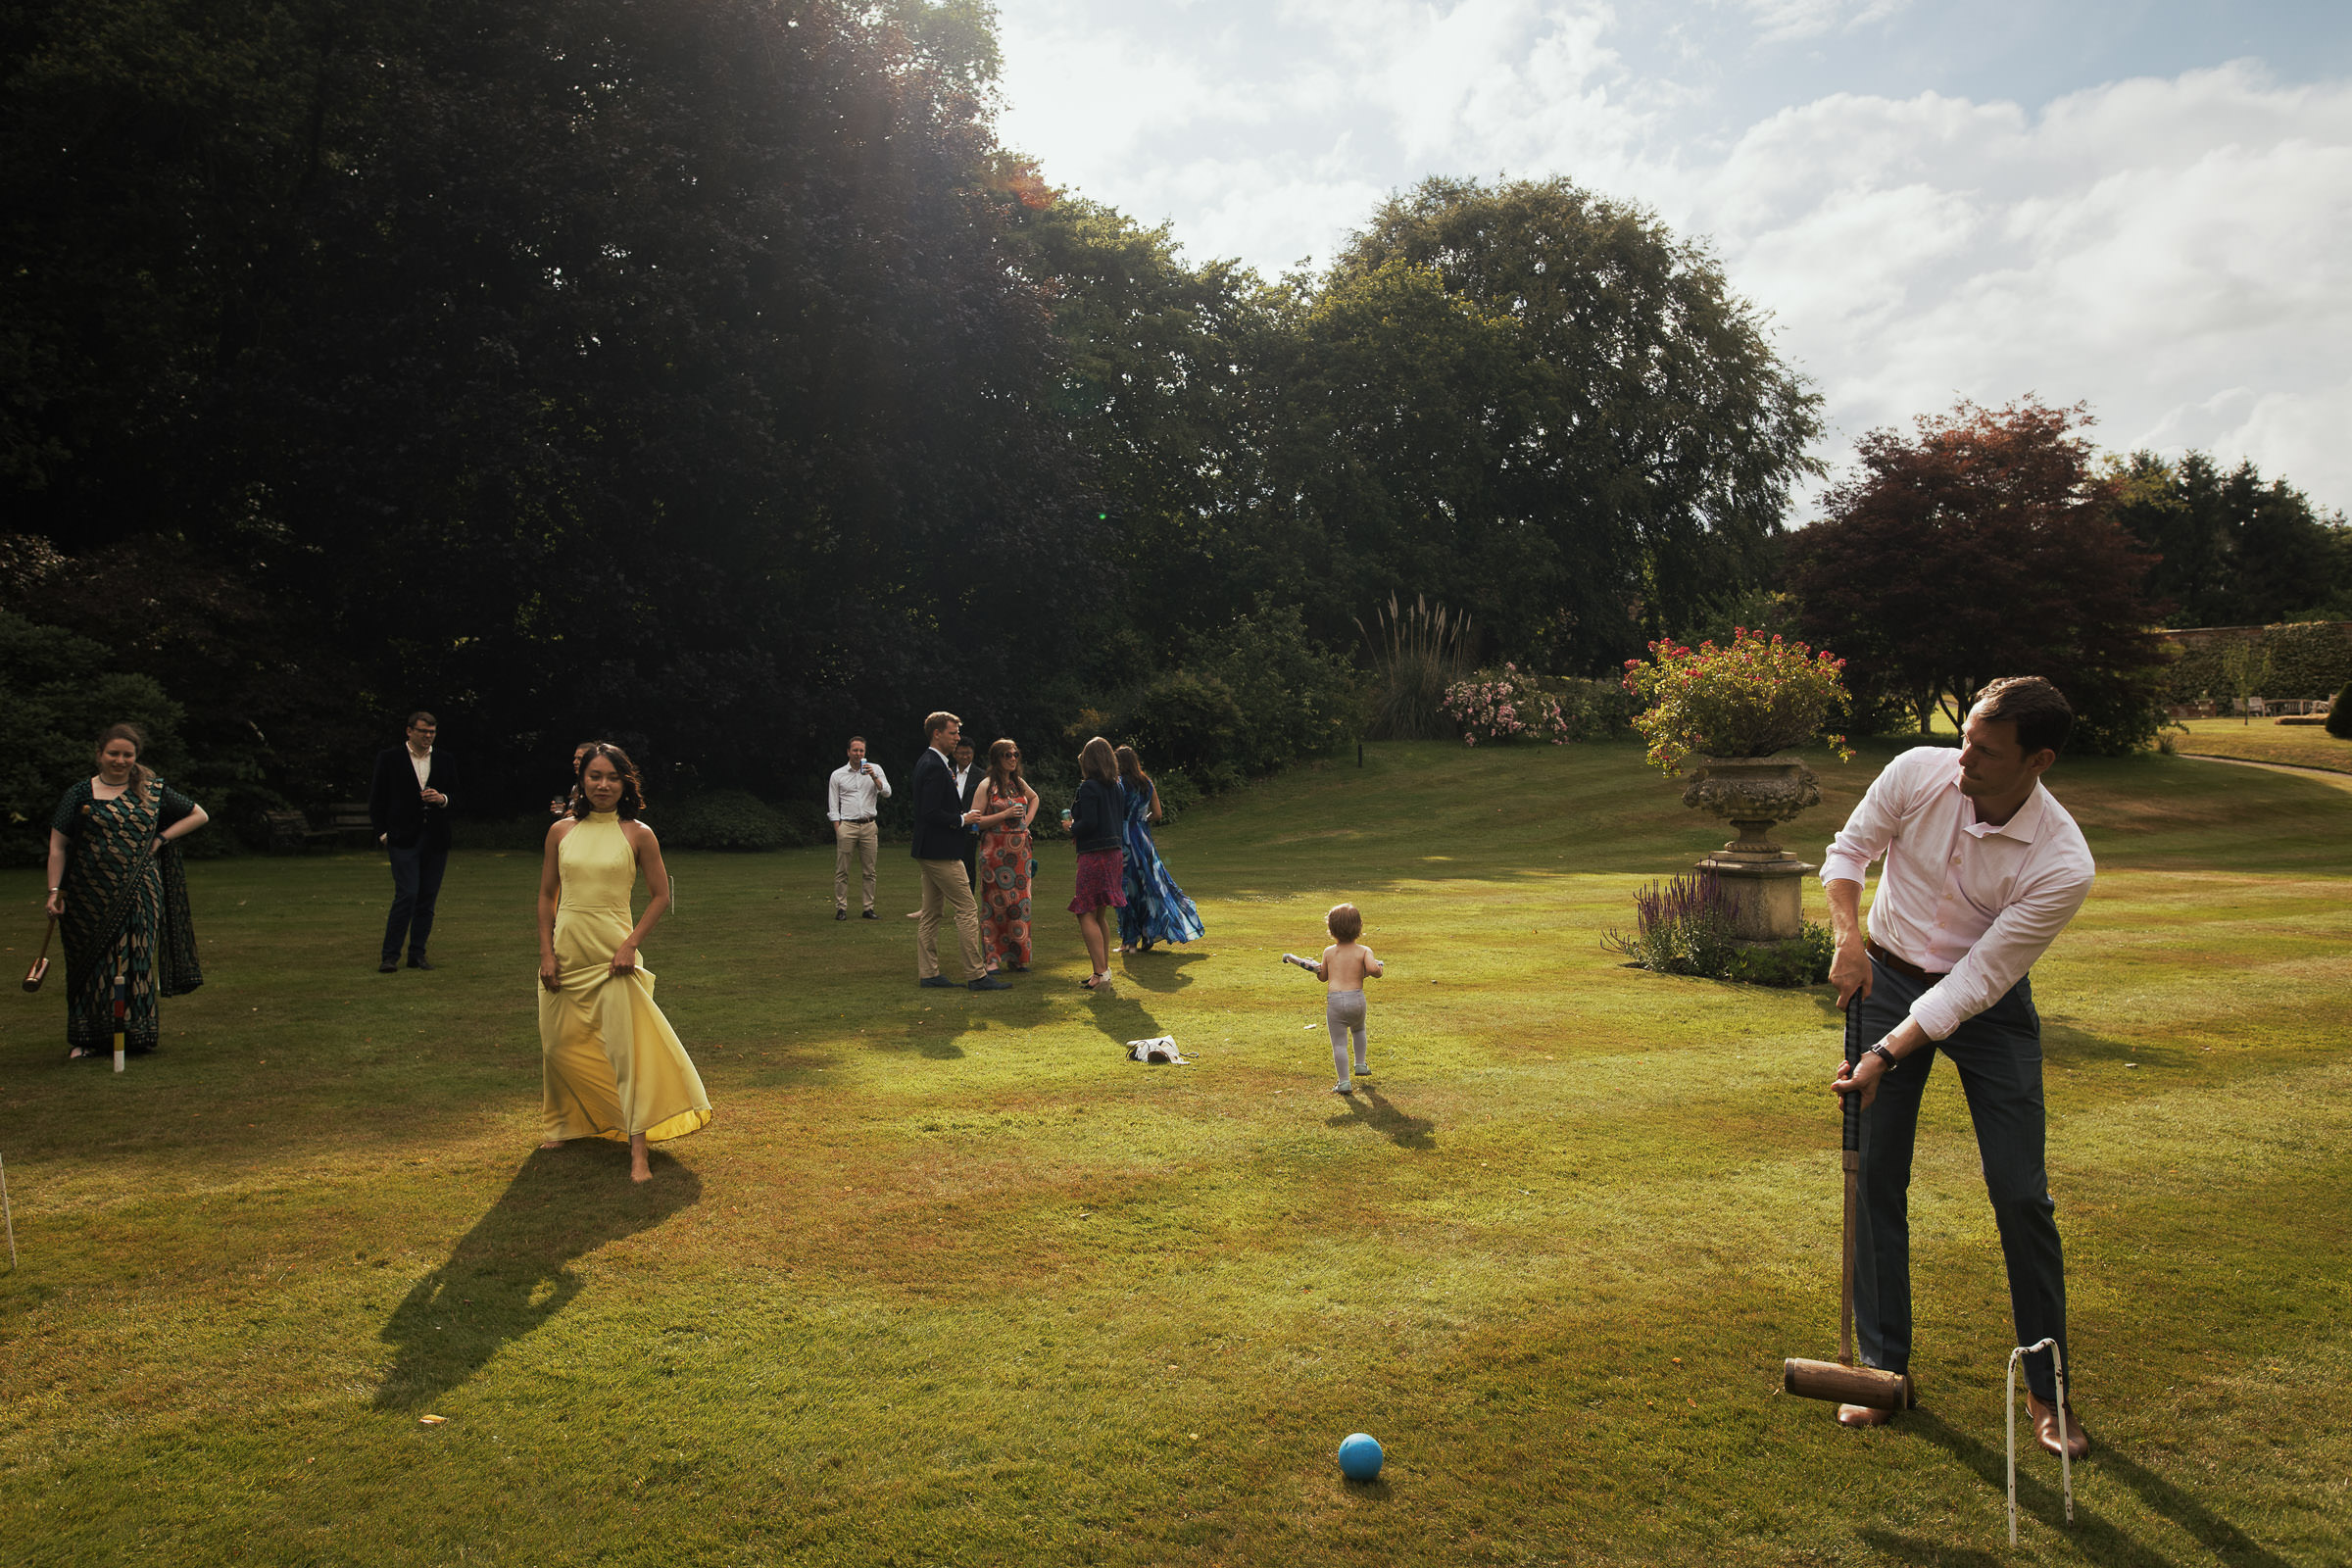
(941,814)
(967,786)
(408,805)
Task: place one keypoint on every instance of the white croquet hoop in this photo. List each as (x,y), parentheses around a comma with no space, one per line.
(2066,1462)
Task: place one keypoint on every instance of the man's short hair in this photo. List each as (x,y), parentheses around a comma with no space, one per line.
(857,740)
(937,722)
(420,717)
(2037,709)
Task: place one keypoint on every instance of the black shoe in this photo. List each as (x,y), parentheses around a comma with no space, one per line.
(869,915)
(388,966)
(935,980)
(841,914)
(418,964)
(988,982)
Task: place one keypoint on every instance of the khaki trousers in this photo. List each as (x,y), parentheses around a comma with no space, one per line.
(862,840)
(944,885)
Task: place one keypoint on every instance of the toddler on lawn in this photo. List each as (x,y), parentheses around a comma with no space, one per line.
(1343,969)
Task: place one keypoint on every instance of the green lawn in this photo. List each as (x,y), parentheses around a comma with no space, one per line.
(2266,741)
(949,1281)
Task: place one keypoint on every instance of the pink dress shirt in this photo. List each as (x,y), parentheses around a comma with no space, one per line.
(1957,894)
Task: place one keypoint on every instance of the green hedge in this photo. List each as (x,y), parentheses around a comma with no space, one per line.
(2309,659)
(734,820)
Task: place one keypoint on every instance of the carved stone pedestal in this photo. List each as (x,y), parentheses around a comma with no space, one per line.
(1764,895)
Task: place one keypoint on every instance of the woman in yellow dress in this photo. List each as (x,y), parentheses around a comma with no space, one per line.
(613,1067)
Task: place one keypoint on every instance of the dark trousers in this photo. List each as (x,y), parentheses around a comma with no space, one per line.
(416,887)
(1998,1056)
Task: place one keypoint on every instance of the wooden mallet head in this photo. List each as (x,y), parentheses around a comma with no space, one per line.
(1846,1384)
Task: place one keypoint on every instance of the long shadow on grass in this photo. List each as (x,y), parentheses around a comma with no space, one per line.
(1369,1108)
(1161,969)
(1122,1019)
(512,1272)
(2040,1495)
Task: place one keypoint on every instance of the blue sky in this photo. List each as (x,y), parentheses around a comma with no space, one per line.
(2147,207)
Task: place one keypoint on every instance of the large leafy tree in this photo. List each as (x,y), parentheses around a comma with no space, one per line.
(1560,395)
(1984,544)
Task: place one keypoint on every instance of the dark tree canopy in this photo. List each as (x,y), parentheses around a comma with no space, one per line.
(582,364)
(2236,551)
(705,375)
(1983,546)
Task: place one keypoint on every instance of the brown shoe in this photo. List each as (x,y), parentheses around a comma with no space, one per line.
(1863,1415)
(2045,1427)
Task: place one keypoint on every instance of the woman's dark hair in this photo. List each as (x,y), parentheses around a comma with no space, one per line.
(1003,765)
(632,788)
(2042,715)
(140,777)
(1096,760)
(1131,769)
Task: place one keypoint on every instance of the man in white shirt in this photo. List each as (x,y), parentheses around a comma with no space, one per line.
(1984,869)
(854,798)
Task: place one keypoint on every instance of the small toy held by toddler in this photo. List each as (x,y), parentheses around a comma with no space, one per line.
(1344,966)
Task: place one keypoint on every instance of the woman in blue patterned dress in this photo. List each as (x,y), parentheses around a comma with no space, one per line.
(1156,908)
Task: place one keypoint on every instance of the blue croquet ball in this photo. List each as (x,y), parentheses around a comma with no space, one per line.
(1361,1456)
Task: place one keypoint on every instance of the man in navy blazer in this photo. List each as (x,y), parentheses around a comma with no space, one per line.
(940,819)
(408,803)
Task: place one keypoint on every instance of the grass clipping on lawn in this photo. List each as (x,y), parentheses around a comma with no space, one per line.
(949,1281)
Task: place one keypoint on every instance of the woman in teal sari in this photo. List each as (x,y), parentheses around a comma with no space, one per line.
(120,897)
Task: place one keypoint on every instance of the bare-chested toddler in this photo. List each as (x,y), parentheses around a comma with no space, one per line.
(1344,967)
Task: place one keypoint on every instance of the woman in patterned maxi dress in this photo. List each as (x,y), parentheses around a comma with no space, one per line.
(1008,860)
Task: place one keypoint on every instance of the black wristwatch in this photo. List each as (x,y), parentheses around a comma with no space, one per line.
(1881,1052)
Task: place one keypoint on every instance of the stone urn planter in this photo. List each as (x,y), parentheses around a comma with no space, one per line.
(1726,715)
(1763,884)
(1752,793)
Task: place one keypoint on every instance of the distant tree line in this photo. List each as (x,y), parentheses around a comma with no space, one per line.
(708,377)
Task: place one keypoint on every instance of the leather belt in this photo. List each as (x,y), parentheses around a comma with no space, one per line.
(1899,965)
(853,821)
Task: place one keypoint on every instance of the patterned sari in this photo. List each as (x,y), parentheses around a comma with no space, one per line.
(126,914)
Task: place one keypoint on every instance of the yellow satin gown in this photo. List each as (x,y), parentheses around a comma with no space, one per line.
(613,1065)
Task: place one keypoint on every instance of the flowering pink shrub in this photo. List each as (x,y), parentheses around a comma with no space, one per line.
(1503,706)
(1751,698)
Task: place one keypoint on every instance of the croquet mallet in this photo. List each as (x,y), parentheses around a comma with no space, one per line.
(122,1016)
(1842,1380)
(1308,964)
(10,1213)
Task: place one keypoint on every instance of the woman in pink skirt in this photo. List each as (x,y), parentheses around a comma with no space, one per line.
(1094,820)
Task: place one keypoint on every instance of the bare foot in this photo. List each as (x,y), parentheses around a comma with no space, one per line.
(639,1169)
(552,1143)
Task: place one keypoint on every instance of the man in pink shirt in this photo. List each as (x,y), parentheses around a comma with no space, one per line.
(1984,869)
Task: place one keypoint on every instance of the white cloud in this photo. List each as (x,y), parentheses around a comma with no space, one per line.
(2169,249)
